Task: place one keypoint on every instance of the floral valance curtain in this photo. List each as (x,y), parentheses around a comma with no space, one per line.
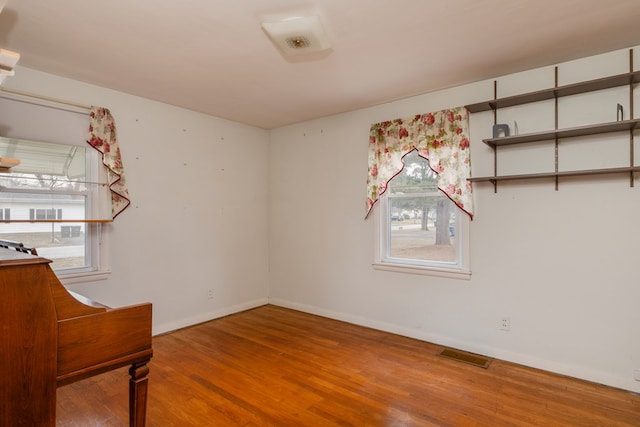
(102,137)
(441,137)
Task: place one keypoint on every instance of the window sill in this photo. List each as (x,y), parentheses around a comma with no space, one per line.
(93,276)
(425,271)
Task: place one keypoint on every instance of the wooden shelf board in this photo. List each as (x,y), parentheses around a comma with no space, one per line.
(8,163)
(556,92)
(560,174)
(563,133)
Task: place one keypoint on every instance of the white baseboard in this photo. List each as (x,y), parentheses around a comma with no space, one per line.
(163,328)
(580,372)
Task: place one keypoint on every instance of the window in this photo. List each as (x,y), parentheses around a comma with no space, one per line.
(42,214)
(51,198)
(420,229)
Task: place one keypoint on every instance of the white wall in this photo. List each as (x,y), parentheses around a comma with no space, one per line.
(198,218)
(561,264)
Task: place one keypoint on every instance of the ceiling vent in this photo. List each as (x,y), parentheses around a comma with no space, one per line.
(297,36)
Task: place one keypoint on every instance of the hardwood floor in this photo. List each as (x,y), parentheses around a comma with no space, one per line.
(277,367)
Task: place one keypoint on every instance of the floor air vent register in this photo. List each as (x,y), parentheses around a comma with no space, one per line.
(469,358)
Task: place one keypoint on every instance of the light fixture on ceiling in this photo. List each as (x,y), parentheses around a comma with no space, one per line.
(299,35)
(8,60)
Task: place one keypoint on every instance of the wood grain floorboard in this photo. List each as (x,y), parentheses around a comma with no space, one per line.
(272,366)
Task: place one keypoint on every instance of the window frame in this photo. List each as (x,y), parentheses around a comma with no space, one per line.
(382,224)
(61,123)
(97,253)
(95,238)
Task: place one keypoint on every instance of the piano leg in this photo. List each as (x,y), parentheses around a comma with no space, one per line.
(138,384)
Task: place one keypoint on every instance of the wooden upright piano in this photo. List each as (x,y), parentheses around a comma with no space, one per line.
(48,338)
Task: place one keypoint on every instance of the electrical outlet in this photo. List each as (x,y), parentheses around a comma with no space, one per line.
(636,375)
(505,323)
(210,294)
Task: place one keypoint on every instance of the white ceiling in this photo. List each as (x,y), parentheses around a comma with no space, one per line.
(212,55)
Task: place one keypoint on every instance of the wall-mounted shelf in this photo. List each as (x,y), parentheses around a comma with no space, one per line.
(551,135)
(556,92)
(584,172)
(630,79)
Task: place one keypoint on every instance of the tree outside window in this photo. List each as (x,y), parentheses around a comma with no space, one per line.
(419,225)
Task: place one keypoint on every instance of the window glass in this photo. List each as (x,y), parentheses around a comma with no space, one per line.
(419,225)
(53,182)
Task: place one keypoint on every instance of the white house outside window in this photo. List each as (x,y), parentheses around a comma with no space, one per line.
(50,199)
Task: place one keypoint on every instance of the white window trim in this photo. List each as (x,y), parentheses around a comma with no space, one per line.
(459,272)
(99,235)
(70,279)
(60,123)
(100,260)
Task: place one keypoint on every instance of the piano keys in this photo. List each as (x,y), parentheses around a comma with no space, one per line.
(50,338)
